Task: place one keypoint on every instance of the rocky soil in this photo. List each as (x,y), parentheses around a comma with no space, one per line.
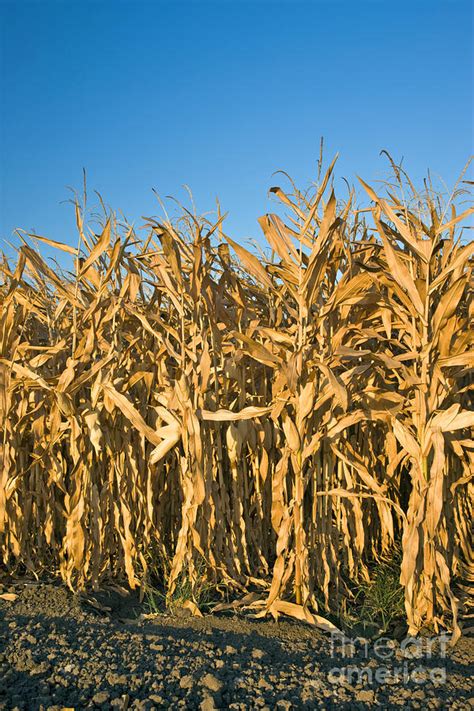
(59,651)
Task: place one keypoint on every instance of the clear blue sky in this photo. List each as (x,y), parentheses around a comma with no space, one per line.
(219,95)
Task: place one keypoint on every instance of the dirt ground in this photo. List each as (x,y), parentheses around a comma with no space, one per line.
(58,651)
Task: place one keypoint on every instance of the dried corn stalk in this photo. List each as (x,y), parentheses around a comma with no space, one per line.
(274,424)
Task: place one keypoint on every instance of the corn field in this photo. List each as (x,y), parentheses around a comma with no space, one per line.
(275,422)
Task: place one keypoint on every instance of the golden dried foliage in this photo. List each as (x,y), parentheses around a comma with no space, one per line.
(287,420)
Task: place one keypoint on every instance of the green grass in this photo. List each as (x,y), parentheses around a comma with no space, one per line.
(203,594)
(378,604)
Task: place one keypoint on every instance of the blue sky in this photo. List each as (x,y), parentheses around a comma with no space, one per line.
(219,95)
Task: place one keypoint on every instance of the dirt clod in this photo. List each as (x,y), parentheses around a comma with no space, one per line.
(58,652)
